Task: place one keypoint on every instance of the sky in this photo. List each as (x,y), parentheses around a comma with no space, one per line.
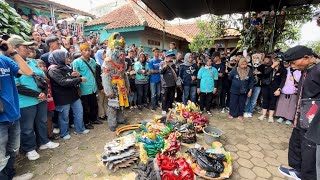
(309,31)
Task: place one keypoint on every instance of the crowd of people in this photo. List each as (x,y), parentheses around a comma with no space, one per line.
(58,86)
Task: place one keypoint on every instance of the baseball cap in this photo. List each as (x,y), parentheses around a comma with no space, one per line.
(18,40)
(298,52)
(170,53)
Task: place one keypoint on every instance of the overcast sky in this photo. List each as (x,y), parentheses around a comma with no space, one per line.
(309,31)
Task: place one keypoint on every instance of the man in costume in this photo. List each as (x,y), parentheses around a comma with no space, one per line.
(115,81)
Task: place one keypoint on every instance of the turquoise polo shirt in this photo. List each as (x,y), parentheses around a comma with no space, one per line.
(207,76)
(138,66)
(29,82)
(90,86)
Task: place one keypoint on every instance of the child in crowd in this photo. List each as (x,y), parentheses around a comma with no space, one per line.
(133,92)
(51,106)
(173,49)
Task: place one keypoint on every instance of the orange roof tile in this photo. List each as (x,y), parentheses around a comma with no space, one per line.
(131,15)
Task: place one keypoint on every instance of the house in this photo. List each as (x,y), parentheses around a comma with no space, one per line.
(140,26)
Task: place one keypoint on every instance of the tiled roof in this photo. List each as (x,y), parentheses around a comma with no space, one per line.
(191,29)
(131,15)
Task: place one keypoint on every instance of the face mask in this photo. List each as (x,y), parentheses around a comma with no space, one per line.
(170,63)
(207,67)
(232,64)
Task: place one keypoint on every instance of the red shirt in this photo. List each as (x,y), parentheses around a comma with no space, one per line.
(50,101)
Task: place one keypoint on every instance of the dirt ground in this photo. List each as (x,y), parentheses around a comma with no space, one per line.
(257,149)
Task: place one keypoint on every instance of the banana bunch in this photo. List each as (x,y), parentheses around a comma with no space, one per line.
(179,107)
(191,106)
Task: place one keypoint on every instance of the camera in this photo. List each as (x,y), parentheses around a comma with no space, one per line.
(5,37)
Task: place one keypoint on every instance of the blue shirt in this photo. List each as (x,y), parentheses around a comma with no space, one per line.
(207,76)
(80,66)
(154,64)
(9,93)
(29,82)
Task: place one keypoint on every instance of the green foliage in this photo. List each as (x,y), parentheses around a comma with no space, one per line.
(209,31)
(315,46)
(12,23)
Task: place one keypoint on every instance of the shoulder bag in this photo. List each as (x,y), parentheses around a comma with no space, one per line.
(177,79)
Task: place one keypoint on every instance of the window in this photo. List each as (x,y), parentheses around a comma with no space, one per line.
(153,43)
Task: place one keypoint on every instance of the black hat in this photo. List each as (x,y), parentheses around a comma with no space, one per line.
(298,52)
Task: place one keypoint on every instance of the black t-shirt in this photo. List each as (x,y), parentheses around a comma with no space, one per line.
(128,62)
(221,68)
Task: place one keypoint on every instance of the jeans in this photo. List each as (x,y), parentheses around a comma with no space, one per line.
(189,91)
(33,117)
(90,108)
(133,98)
(155,89)
(64,117)
(9,145)
(251,101)
(142,91)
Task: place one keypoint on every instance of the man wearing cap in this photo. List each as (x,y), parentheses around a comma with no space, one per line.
(9,118)
(155,79)
(168,81)
(302,151)
(53,43)
(86,66)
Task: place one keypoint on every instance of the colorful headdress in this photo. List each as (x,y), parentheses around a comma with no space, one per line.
(84,46)
(116,41)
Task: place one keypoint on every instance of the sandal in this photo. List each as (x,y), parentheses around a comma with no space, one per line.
(230,117)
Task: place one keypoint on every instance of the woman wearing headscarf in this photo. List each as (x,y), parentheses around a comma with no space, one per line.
(241,88)
(65,87)
(141,68)
(188,73)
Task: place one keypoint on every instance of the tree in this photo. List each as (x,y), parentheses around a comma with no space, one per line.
(315,46)
(12,23)
(209,31)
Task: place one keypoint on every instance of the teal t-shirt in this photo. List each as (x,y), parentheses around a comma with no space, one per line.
(90,86)
(138,66)
(207,76)
(29,82)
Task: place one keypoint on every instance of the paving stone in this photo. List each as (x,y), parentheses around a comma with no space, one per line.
(259,162)
(272,161)
(266,146)
(260,178)
(261,172)
(247,173)
(245,163)
(254,147)
(275,172)
(231,148)
(283,160)
(263,140)
(280,146)
(269,154)
(281,153)
(256,154)
(242,147)
(234,155)
(243,154)
(275,140)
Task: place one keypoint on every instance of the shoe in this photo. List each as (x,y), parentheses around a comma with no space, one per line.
(270,120)
(209,113)
(135,107)
(227,109)
(140,107)
(86,131)
(54,137)
(88,126)
(97,122)
(291,173)
(33,155)
(26,176)
(71,126)
(56,130)
(66,137)
(102,118)
(146,106)
(280,120)
(131,108)
(249,115)
(288,122)
(262,117)
(245,115)
(164,113)
(113,129)
(49,145)
(223,110)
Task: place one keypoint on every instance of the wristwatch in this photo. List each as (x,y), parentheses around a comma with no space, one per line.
(13,53)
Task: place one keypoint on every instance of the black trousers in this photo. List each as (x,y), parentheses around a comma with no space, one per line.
(302,154)
(167,97)
(269,101)
(142,92)
(237,104)
(223,97)
(90,108)
(205,101)
(179,94)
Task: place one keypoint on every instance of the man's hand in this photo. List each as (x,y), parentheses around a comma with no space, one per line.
(198,90)
(75,74)
(277,92)
(275,64)
(42,97)
(193,78)
(83,79)
(249,93)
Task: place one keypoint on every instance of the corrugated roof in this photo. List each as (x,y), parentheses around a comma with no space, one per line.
(131,15)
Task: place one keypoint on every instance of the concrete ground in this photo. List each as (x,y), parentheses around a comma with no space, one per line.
(257,149)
